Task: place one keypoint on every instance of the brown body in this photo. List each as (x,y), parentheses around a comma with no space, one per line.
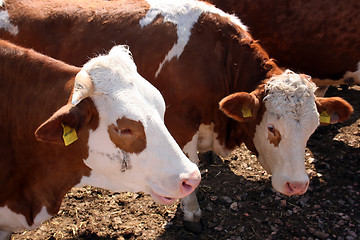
(73,31)
(219,59)
(34,174)
(319,38)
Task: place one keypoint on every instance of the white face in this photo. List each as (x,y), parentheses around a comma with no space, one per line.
(289,120)
(131,150)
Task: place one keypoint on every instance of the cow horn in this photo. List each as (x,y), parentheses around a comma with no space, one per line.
(83,87)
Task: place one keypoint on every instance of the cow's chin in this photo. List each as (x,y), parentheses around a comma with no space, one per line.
(162,199)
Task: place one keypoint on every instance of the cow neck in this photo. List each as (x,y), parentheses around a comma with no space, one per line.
(35,174)
(250,69)
(260,68)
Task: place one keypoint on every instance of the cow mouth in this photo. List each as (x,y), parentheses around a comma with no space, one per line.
(162,199)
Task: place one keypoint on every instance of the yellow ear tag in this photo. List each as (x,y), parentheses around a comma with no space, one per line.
(325,117)
(246,112)
(69,135)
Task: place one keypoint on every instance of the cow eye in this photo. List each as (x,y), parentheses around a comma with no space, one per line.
(271,129)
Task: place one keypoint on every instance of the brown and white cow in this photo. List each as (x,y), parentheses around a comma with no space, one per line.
(197,56)
(110,133)
(320,38)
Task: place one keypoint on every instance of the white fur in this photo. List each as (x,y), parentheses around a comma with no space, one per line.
(11,221)
(5,235)
(184,14)
(291,109)
(208,141)
(6,24)
(205,140)
(121,92)
(191,148)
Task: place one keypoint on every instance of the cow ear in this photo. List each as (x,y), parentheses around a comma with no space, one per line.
(63,125)
(333,110)
(83,87)
(241,106)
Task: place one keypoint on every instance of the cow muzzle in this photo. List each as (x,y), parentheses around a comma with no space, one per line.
(295,188)
(289,186)
(187,184)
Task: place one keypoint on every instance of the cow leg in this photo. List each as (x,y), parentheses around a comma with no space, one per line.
(192,213)
(189,204)
(5,235)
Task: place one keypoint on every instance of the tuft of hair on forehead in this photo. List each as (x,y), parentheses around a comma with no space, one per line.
(123,51)
(289,93)
(118,57)
(116,67)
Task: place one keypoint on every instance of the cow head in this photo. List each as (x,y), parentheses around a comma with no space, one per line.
(282,114)
(129,147)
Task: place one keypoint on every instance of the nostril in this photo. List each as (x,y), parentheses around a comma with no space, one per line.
(189,184)
(288,188)
(296,188)
(186,186)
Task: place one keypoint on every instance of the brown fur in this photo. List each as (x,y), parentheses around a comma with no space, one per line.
(32,173)
(316,37)
(335,105)
(75,31)
(220,58)
(274,137)
(132,138)
(234,105)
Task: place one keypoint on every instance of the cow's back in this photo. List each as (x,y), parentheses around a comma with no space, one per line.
(88,22)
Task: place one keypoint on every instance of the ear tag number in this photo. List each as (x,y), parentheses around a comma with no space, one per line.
(69,135)
(246,112)
(325,117)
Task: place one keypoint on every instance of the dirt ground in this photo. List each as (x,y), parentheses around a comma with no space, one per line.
(236,197)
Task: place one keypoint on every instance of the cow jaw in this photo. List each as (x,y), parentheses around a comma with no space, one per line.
(287,123)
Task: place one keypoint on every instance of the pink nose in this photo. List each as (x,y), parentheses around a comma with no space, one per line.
(296,188)
(189,184)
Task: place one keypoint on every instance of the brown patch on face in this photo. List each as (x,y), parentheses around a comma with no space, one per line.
(128,135)
(274,136)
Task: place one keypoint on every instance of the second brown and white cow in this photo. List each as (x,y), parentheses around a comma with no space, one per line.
(110,133)
(197,56)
